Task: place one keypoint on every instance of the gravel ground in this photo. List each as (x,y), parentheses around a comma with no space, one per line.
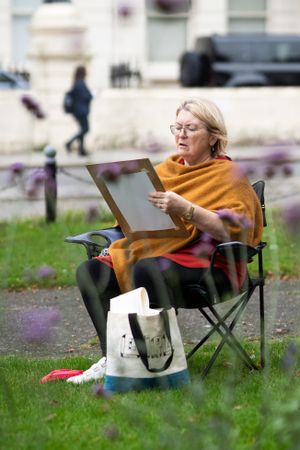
(69,331)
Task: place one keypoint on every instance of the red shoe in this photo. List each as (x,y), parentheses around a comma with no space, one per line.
(60,374)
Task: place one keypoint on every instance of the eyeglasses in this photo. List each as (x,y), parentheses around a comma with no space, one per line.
(189,130)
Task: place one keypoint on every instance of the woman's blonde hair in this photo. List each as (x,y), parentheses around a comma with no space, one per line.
(209,113)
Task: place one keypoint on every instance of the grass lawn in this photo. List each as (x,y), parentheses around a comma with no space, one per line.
(232,409)
(30,245)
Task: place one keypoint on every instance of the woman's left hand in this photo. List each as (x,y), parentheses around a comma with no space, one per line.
(169,202)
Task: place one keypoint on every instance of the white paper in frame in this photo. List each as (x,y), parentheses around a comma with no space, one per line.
(124,186)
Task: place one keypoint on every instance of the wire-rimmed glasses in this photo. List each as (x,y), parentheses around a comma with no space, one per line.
(188,130)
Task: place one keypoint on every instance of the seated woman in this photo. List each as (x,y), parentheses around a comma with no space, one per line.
(216,201)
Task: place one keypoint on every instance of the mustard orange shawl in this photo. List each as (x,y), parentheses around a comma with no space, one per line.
(214,185)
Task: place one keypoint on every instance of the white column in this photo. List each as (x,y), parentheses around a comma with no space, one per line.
(58,45)
(5,33)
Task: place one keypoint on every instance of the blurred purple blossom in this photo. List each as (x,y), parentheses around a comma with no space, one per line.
(234,218)
(124,9)
(171,6)
(246,168)
(36,325)
(277,156)
(291,217)
(35,182)
(110,171)
(17,168)
(204,247)
(269,171)
(99,391)
(32,106)
(163,264)
(38,177)
(287,170)
(130,167)
(45,272)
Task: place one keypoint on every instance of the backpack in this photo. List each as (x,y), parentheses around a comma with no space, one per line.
(68,102)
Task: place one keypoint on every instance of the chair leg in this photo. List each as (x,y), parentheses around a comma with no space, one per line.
(262,327)
(207,336)
(226,333)
(228,337)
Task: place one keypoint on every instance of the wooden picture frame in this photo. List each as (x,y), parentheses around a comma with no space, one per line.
(124,186)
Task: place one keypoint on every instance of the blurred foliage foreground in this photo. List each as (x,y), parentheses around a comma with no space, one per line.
(34,254)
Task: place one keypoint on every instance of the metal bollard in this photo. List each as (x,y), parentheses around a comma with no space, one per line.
(50,183)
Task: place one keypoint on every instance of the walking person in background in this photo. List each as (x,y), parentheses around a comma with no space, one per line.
(80,98)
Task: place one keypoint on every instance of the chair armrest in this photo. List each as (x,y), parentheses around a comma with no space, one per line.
(234,251)
(95,241)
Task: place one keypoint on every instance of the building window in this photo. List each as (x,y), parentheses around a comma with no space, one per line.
(167,31)
(21,13)
(247,16)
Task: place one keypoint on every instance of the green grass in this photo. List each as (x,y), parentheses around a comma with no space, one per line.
(30,244)
(27,245)
(232,409)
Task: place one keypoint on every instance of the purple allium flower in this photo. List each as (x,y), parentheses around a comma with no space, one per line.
(291,217)
(204,247)
(287,170)
(32,106)
(45,272)
(35,182)
(124,9)
(234,218)
(40,114)
(36,325)
(38,177)
(99,391)
(277,156)
(171,6)
(246,168)
(269,171)
(163,264)
(130,167)
(17,168)
(110,171)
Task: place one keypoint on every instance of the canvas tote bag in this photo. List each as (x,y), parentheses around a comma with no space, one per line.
(144,346)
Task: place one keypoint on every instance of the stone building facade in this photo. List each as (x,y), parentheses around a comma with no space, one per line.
(138,33)
(51,39)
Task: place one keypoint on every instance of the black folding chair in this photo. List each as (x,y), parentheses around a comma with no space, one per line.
(207,294)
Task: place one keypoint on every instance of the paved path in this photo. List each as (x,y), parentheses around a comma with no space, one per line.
(76,188)
(74,334)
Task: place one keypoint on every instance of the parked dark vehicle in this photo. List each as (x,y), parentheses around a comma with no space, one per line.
(242,60)
(9,80)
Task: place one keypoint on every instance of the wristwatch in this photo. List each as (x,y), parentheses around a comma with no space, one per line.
(189,214)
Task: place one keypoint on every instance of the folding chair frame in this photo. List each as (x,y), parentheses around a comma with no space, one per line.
(219,325)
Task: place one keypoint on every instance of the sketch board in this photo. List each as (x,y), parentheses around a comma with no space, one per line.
(124,186)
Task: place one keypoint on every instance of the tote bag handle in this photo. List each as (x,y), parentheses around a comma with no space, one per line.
(141,344)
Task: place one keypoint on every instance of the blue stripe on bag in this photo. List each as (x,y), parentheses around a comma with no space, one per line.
(125,384)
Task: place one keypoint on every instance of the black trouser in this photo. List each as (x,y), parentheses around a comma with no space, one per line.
(84,128)
(164,280)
